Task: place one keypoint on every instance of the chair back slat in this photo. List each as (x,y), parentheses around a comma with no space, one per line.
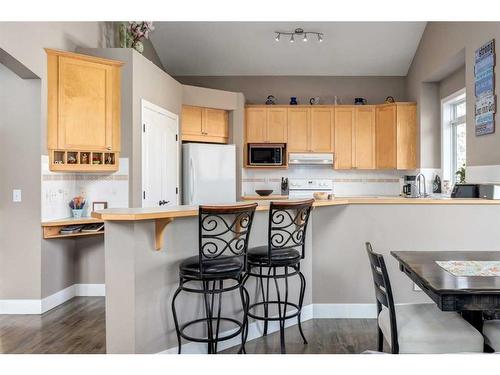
(383,291)
(224,230)
(288,225)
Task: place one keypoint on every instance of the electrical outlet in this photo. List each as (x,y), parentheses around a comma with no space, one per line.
(16,195)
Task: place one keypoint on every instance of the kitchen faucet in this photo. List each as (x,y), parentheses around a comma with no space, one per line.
(418,182)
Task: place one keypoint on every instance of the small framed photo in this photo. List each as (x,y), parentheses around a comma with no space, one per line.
(96,206)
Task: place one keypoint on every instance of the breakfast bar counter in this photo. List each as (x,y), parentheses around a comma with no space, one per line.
(140,281)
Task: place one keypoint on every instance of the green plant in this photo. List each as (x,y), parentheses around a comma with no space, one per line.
(461,174)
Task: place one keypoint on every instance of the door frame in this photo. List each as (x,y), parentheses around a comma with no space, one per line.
(151,106)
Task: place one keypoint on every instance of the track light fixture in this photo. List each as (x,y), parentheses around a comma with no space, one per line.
(299,32)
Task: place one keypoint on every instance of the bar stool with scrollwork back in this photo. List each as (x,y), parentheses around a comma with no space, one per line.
(281,257)
(222,259)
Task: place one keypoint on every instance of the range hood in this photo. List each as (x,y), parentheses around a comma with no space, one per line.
(310,159)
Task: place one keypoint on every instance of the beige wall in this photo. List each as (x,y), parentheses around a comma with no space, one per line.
(20,254)
(34,265)
(257,88)
(443,49)
(453,83)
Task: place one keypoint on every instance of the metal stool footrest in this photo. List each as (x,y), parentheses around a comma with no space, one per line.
(276,318)
(238,324)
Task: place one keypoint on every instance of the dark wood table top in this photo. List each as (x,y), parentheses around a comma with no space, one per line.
(423,265)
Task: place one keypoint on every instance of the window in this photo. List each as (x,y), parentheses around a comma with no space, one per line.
(453,111)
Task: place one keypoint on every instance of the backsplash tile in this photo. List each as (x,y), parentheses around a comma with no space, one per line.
(59,188)
(345,183)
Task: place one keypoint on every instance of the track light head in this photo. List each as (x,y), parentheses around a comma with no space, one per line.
(277,38)
(305,37)
(292,38)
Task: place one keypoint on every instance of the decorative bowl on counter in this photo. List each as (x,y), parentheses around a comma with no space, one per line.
(264,192)
(320,195)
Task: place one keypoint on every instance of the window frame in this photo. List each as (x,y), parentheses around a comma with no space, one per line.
(449,123)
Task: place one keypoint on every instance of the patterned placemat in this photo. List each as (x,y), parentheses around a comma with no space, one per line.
(471,267)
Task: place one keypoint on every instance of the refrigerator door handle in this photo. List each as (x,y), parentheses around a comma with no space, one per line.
(191,169)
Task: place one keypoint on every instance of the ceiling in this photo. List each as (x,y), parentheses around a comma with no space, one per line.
(249,48)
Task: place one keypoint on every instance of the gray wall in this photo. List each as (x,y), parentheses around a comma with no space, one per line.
(451,84)
(444,48)
(33,264)
(20,254)
(257,88)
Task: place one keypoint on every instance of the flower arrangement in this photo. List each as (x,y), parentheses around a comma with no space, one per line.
(77,203)
(132,34)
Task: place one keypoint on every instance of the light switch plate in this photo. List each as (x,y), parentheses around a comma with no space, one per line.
(16,195)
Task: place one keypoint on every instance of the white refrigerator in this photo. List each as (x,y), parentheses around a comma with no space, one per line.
(209,173)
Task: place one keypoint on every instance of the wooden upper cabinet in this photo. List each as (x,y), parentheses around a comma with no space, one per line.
(344,129)
(364,138)
(216,122)
(298,129)
(256,125)
(386,137)
(201,124)
(83,112)
(322,130)
(83,102)
(396,136)
(406,114)
(276,125)
(192,120)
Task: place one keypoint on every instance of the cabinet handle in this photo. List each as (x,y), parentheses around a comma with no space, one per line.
(108,148)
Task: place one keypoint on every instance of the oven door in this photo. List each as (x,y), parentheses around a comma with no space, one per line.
(265,154)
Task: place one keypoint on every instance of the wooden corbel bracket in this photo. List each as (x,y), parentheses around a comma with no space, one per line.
(160,225)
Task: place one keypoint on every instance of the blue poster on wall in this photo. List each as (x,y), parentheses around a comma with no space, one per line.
(485,82)
(484,87)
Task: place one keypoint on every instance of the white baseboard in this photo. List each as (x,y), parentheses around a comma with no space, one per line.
(483,173)
(40,306)
(90,290)
(313,311)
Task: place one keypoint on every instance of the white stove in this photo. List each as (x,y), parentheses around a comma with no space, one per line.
(305,188)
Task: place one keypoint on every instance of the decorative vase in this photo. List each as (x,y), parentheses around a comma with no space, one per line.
(77,213)
(124,37)
(293,100)
(139,47)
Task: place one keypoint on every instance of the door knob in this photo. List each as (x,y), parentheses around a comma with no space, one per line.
(162,202)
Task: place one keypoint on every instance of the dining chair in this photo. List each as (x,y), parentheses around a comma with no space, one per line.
(417,328)
(491,333)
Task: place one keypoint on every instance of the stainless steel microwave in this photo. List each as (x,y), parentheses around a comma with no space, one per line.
(266,154)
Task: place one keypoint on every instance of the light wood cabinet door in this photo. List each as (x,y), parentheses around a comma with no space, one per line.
(85,97)
(215,122)
(192,120)
(364,138)
(406,136)
(298,130)
(344,128)
(322,120)
(256,125)
(385,136)
(276,125)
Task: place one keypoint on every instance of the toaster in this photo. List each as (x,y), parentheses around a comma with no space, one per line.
(489,191)
(465,191)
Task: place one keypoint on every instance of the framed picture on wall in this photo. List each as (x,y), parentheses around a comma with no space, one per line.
(96,206)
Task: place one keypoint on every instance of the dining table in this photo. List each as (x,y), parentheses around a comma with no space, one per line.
(467,282)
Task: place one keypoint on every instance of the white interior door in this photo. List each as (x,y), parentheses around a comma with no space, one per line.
(160,156)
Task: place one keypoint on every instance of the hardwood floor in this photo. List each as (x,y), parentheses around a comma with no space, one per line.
(324,336)
(78,326)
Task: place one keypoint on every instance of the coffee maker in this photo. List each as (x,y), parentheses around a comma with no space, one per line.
(410,187)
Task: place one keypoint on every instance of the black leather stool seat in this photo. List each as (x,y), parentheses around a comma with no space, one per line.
(217,268)
(286,257)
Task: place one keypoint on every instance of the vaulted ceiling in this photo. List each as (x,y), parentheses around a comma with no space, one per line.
(249,48)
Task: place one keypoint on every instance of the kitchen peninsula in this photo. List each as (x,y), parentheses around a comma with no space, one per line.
(140,281)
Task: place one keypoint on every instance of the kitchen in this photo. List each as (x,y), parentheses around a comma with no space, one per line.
(120,200)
